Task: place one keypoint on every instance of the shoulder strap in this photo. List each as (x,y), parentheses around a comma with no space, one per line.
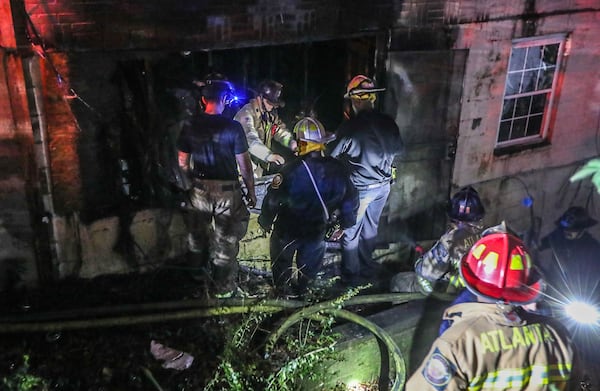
(312,179)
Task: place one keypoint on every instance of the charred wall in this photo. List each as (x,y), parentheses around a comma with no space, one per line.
(114,71)
(206,25)
(115,80)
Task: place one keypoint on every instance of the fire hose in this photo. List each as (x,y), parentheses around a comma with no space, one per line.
(189,309)
(100,317)
(333,307)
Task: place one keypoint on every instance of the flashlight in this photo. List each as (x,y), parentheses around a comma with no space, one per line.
(582,312)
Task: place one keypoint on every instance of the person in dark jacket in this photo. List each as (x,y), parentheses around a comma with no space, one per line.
(570,253)
(299,204)
(569,259)
(367,144)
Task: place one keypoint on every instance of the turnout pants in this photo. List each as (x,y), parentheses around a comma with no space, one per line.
(309,253)
(217,223)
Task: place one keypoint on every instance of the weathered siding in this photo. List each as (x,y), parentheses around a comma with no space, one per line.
(487,29)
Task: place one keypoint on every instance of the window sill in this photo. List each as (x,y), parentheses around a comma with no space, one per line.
(514,149)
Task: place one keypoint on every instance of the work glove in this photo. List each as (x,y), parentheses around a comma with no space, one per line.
(276,159)
(294,146)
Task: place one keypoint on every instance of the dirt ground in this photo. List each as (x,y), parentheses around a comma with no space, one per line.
(114,358)
(109,358)
(83,356)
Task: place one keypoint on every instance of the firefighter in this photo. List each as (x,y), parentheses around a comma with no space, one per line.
(367,144)
(493,344)
(263,126)
(299,204)
(213,153)
(438,267)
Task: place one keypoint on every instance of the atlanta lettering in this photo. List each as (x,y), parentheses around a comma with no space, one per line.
(496,340)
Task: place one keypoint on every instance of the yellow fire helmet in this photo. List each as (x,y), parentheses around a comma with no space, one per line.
(311,130)
(311,135)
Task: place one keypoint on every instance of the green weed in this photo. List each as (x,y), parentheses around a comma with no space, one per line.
(22,380)
(295,360)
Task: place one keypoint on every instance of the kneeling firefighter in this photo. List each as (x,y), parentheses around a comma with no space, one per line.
(437,269)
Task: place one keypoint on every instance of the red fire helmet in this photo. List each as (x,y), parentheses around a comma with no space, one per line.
(499,267)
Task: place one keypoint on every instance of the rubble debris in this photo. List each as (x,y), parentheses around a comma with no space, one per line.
(173,359)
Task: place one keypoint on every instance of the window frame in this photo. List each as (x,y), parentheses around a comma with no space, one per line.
(542,137)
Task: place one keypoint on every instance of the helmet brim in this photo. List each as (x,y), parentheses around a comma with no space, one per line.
(360,91)
(589,222)
(276,104)
(523,295)
(323,140)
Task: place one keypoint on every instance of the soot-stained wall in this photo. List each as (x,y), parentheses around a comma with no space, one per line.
(115,79)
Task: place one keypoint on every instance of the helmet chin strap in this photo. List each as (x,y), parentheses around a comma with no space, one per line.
(305,147)
(362,104)
(266,115)
(573,234)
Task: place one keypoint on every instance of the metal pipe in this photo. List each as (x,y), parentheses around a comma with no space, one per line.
(33,81)
(61,325)
(177,310)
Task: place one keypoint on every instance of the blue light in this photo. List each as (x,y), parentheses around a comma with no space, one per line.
(231,99)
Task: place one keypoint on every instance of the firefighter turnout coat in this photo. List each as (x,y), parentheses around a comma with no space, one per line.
(439,266)
(496,347)
(262,128)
